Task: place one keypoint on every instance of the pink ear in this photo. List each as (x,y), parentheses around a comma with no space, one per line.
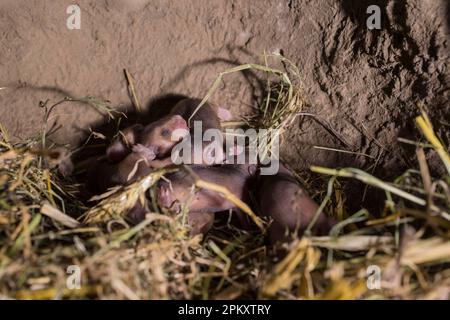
(179,122)
(224,114)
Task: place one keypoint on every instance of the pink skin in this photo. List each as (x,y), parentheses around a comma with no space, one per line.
(147,153)
(233,177)
(181,112)
(151,145)
(200,221)
(282,199)
(235,150)
(178,192)
(142,155)
(210,118)
(162,135)
(144,145)
(157,137)
(224,114)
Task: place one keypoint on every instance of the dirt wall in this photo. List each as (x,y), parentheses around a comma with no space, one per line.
(366,84)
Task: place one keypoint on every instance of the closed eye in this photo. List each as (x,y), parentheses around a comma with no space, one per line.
(165,132)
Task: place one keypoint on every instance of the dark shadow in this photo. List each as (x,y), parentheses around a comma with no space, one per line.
(257,86)
(366,41)
(447,17)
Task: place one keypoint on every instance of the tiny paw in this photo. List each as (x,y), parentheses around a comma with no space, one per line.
(147,153)
(224,114)
(235,150)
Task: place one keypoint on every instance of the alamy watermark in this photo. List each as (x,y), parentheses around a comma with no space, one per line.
(374,20)
(73,281)
(241,147)
(373,273)
(73,22)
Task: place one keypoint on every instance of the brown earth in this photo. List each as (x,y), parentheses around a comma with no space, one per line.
(366,84)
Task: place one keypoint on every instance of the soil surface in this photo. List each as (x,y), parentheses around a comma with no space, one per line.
(366,84)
